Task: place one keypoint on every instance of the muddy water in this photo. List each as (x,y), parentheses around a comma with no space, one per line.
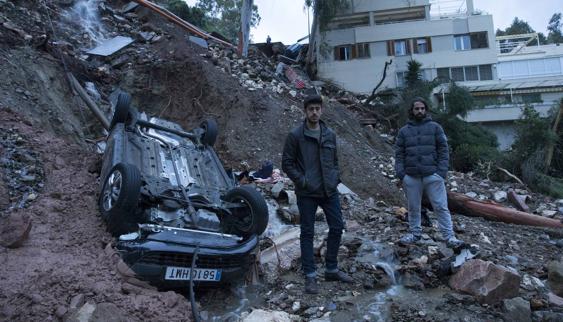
(229,304)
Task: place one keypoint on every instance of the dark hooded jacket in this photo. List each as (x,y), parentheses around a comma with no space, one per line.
(421,149)
(304,157)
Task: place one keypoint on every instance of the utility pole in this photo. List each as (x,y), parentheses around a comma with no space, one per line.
(245,17)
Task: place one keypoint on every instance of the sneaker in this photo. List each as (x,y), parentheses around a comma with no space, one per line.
(311,286)
(454,243)
(338,276)
(409,239)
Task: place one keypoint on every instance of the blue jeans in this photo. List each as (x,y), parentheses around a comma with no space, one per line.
(307,209)
(434,187)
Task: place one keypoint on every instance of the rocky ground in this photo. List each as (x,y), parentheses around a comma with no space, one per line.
(58,263)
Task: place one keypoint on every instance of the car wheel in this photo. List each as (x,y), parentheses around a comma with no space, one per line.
(210,131)
(119,198)
(249,220)
(122,109)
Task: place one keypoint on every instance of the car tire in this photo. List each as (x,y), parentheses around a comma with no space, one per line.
(253,220)
(122,109)
(210,132)
(119,198)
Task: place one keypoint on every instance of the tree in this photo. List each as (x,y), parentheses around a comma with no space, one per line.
(192,15)
(413,76)
(458,101)
(555,35)
(519,27)
(323,12)
(223,16)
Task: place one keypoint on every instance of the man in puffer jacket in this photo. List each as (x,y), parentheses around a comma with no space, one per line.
(421,163)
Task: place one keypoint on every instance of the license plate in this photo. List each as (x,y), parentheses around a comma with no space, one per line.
(198,274)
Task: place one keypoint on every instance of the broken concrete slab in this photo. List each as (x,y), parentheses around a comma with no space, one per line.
(129,7)
(198,41)
(267,316)
(489,283)
(111,46)
(280,256)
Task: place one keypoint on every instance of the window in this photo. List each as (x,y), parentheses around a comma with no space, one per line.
(347,52)
(401,48)
(401,81)
(462,42)
(471,41)
(471,73)
(444,73)
(343,52)
(362,50)
(479,40)
(485,72)
(457,74)
(466,73)
(422,45)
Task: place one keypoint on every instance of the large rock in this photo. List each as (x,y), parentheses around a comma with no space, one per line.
(517,310)
(555,277)
(267,316)
(14,230)
(489,283)
(279,257)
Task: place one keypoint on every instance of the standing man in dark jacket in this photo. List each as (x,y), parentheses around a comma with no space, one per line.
(421,163)
(310,160)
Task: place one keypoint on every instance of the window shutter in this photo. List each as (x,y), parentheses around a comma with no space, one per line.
(337,53)
(408,45)
(429,44)
(390,48)
(414,45)
(354,51)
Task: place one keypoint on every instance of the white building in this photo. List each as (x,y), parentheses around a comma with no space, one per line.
(531,75)
(452,42)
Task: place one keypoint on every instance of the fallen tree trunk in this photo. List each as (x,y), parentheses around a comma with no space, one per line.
(492,211)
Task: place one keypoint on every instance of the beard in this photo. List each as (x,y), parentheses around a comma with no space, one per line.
(419,116)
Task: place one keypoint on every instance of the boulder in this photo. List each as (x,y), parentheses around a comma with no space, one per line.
(517,310)
(489,283)
(108,312)
(555,277)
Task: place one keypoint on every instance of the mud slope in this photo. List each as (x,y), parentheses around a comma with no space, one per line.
(64,256)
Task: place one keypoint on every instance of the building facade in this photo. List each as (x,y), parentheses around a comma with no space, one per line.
(457,44)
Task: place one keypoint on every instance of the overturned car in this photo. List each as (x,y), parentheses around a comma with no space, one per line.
(176,211)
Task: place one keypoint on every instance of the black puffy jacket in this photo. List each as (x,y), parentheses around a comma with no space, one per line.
(421,149)
(301,153)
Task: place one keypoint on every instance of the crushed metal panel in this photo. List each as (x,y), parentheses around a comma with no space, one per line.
(198,41)
(128,7)
(111,46)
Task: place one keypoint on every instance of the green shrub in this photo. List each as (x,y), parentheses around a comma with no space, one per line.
(479,158)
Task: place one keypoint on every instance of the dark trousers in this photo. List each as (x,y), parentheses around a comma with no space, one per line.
(307,208)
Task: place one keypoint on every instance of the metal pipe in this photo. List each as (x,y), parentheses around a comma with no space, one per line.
(165,129)
(179,21)
(91,105)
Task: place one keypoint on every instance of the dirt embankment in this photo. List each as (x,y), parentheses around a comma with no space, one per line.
(64,257)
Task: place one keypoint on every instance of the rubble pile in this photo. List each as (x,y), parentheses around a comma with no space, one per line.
(55,183)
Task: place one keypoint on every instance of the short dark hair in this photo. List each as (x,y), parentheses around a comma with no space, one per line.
(314,98)
(418,99)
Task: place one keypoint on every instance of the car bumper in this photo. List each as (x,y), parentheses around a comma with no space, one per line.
(150,255)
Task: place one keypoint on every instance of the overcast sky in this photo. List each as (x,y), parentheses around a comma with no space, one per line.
(286,20)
